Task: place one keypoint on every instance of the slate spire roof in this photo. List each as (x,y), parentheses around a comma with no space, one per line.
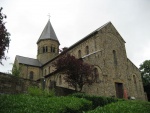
(48,33)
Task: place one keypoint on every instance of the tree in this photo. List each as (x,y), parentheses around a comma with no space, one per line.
(145,72)
(77,73)
(16,71)
(4,37)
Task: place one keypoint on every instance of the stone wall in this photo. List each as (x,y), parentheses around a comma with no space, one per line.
(61,91)
(106,52)
(12,85)
(43,57)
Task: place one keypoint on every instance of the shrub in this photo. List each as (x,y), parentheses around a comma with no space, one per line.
(124,107)
(39,104)
(96,100)
(35,91)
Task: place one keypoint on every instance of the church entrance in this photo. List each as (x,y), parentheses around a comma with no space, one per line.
(119,90)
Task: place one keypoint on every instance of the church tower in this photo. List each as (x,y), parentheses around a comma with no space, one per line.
(48,44)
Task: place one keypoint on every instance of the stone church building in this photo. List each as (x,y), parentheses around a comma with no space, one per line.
(104,48)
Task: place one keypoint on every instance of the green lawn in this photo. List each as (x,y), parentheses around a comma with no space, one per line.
(124,107)
(69,104)
(36,104)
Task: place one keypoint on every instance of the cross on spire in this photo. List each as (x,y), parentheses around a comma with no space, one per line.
(48,16)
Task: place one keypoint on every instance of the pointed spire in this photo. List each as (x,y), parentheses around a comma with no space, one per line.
(48,33)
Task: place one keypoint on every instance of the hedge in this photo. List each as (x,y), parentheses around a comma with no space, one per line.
(96,100)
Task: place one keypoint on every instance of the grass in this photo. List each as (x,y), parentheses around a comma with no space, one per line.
(36,104)
(46,102)
(124,107)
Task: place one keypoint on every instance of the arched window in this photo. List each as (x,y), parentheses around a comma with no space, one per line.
(45,72)
(60,80)
(95,75)
(43,49)
(53,49)
(31,75)
(134,79)
(79,54)
(50,84)
(87,50)
(49,69)
(115,57)
(46,49)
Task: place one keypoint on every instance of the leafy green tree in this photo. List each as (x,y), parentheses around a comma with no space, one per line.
(77,73)
(16,71)
(145,72)
(4,37)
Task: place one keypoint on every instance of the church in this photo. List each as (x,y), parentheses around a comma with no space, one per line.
(104,48)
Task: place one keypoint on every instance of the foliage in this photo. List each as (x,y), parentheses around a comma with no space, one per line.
(35,104)
(69,104)
(96,100)
(35,91)
(145,72)
(77,73)
(124,107)
(16,71)
(4,37)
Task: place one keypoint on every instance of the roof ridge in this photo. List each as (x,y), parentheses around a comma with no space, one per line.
(28,61)
(26,57)
(89,34)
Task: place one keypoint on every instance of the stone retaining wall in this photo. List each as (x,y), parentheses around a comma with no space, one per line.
(10,84)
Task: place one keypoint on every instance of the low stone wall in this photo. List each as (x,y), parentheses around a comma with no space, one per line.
(60,91)
(10,84)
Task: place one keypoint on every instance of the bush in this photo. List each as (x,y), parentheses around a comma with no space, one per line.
(39,104)
(35,91)
(96,100)
(124,107)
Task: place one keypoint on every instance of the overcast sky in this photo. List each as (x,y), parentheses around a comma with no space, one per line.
(74,19)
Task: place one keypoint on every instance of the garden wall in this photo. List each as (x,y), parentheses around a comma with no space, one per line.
(60,91)
(10,84)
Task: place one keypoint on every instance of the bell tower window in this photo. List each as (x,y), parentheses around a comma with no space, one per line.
(46,49)
(43,49)
(53,49)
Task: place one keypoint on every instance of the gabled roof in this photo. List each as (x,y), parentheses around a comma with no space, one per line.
(84,39)
(48,33)
(28,61)
(88,36)
(92,33)
(77,43)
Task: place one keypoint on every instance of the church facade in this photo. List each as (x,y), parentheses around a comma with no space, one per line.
(104,48)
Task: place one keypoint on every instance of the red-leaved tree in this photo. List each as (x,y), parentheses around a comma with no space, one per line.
(77,73)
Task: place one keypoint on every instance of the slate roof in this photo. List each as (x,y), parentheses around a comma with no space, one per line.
(88,36)
(80,41)
(48,33)
(28,61)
